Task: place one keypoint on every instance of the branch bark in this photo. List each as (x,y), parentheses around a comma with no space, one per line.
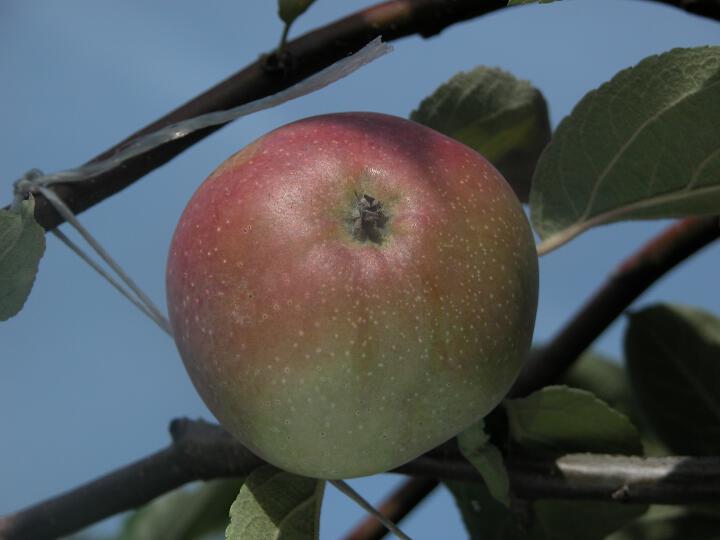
(310,53)
(396,506)
(202,451)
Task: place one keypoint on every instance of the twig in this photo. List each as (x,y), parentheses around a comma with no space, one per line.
(396,506)
(200,451)
(634,276)
(203,451)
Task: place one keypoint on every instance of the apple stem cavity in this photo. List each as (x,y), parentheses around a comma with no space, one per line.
(368,219)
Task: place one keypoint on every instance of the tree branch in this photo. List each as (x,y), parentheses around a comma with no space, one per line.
(310,53)
(635,275)
(199,451)
(178,464)
(396,506)
(202,451)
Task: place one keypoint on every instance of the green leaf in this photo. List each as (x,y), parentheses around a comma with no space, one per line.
(605,378)
(609,381)
(677,526)
(558,419)
(673,360)
(22,244)
(645,145)
(475,445)
(289,10)
(523,2)
(277,505)
(184,514)
(485,518)
(503,118)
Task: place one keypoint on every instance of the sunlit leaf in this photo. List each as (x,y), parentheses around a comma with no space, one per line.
(645,145)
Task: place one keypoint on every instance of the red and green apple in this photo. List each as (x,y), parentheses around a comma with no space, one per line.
(350,291)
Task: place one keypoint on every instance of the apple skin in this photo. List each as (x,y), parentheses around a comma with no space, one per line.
(333,356)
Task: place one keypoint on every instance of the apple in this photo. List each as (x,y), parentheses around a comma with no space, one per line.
(350,291)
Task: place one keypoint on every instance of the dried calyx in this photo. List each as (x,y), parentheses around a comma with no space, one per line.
(368,219)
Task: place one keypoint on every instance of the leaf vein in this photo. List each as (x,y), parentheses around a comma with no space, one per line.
(654,117)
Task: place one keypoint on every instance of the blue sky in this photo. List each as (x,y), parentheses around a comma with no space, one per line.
(87,384)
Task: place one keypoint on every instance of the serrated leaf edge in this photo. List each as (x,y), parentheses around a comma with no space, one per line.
(557,239)
(636,431)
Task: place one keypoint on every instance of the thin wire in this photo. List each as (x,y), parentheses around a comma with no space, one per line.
(66,213)
(100,270)
(36,181)
(340,69)
(345,488)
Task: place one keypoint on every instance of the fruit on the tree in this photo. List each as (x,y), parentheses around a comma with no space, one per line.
(351,290)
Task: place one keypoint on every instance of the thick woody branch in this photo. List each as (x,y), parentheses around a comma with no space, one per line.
(630,479)
(202,451)
(310,53)
(634,276)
